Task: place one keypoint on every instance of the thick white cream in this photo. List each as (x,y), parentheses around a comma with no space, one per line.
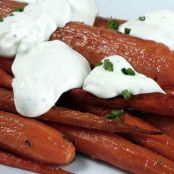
(43,74)
(105,84)
(157,26)
(39,20)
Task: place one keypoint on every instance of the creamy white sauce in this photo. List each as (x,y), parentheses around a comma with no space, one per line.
(45,72)
(39,20)
(157,26)
(105,84)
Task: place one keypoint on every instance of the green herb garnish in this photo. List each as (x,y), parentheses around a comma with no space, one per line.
(115,114)
(127,30)
(113,24)
(142,18)
(11,14)
(1,20)
(108,65)
(126,94)
(99,64)
(128,71)
(19,9)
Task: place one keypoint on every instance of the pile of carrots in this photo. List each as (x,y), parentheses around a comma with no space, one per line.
(141,141)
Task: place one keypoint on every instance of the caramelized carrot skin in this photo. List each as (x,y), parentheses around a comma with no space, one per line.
(166,125)
(148,103)
(7,6)
(75,118)
(33,140)
(5,80)
(161,144)
(150,58)
(13,161)
(104,22)
(117,151)
(5,64)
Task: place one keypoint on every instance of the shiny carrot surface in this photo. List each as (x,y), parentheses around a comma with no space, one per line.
(148,57)
(161,144)
(149,103)
(13,161)
(117,151)
(75,118)
(34,140)
(8,6)
(5,80)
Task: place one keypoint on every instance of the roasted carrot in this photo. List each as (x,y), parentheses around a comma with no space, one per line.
(5,64)
(87,120)
(8,6)
(33,140)
(14,161)
(166,125)
(117,151)
(149,103)
(75,118)
(5,80)
(148,57)
(104,22)
(161,144)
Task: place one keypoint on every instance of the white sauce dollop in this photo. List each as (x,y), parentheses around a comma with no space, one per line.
(39,20)
(157,26)
(105,84)
(43,74)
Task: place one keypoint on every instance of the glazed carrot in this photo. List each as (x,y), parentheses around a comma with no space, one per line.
(104,22)
(13,161)
(117,151)
(5,79)
(148,57)
(87,120)
(149,103)
(33,140)
(7,6)
(166,125)
(161,144)
(5,64)
(75,118)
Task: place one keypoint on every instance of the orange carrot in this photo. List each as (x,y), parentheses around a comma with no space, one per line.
(166,125)
(5,80)
(155,60)
(75,118)
(161,144)
(5,64)
(149,103)
(13,161)
(34,140)
(8,6)
(117,151)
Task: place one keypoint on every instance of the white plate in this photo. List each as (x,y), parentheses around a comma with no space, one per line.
(124,9)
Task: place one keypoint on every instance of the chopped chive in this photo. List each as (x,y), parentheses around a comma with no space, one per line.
(128,71)
(99,64)
(127,30)
(108,65)
(113,24)
(142,18)
(19,9)
(1,20)
(11,14)
(126,94)
(115,114)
